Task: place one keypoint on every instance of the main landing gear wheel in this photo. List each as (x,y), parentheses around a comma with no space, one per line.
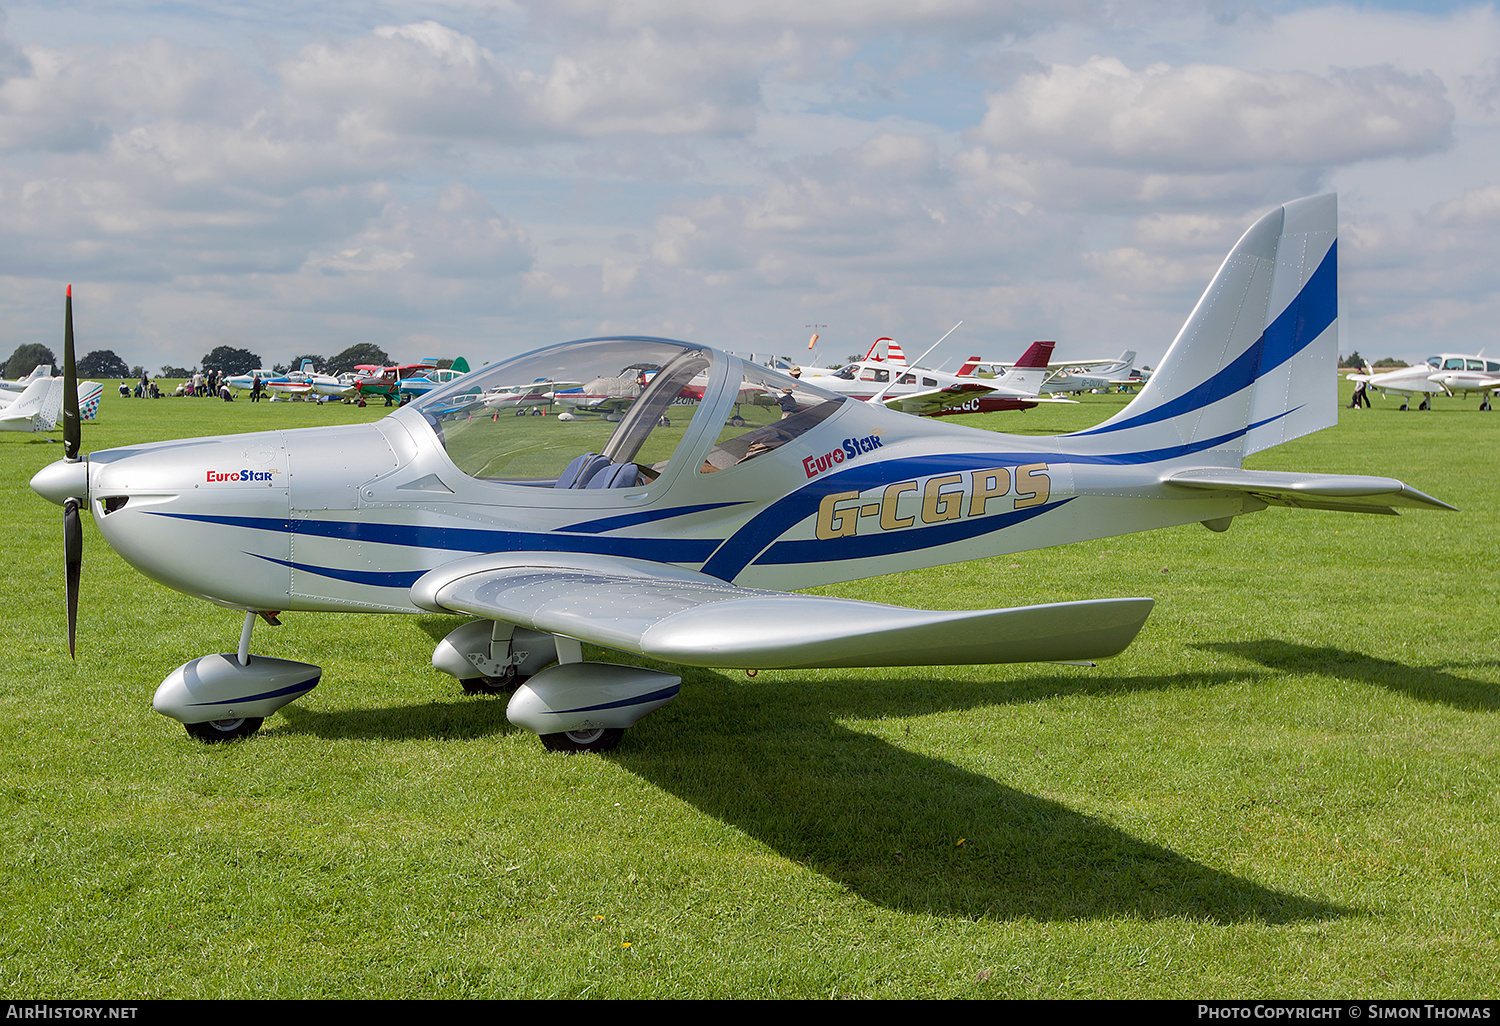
(570,742)
(1426,404)
(224,730)
(493,685)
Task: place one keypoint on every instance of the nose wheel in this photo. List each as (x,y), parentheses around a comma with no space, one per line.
(571,742)
(224,730)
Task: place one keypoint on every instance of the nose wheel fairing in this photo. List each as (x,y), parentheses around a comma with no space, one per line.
(218,689)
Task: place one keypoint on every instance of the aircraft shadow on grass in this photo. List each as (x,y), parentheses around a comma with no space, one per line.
(1425,683)
(772,759)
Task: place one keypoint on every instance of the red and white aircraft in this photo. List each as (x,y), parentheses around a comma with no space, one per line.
(929,393)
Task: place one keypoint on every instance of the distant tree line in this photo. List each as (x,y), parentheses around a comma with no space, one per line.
(104,363)
(1354,361)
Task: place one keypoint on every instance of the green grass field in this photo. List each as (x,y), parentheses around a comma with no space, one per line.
(1285,788)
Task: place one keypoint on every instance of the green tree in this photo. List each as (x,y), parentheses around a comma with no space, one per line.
(26,357)
(1352,360)
(360,352)
(103,363)
(168,371)
(231,360)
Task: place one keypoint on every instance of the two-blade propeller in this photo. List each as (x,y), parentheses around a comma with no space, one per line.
(66,482)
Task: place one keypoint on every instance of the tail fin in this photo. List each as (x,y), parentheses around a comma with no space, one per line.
(1038,355)
(1030,372)
(894,354)
(1256,363)
(307,367)
(36,409)
(968,368)
(871,354)
(89,394)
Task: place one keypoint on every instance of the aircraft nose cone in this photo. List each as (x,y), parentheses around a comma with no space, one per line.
(62,481)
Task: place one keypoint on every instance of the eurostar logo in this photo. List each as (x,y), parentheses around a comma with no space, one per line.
(246,476)
(851,449)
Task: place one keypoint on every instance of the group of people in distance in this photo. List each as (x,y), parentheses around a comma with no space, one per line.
(211,383)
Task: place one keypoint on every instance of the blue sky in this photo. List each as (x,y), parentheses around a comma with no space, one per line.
(479,179)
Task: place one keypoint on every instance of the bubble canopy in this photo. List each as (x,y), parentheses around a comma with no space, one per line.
(608,412)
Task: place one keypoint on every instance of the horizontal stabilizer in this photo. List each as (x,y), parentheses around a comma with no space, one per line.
(685,617)
(1350,493)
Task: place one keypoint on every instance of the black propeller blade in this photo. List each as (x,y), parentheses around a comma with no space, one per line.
(72,442)
(72,426)
(73,564)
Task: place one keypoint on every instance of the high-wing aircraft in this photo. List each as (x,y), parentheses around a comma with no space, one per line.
(1089,375)
(1078,375)
(1448,373)
(677,543)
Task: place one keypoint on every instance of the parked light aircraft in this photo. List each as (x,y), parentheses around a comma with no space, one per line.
(931,393)
(245,382)
(421,384)
(372,381)
(1449,373)
(41,370)
(39,407)
(1079,375)
(676,543)
(1091,374)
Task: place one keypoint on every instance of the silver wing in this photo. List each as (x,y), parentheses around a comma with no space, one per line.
(680,616)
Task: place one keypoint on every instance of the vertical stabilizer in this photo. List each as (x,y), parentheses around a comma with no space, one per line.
(1254,365)
(36,409)
(1030,372)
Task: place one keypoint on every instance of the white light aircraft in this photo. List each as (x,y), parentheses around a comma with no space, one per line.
(677,543)
(929,393)
(41,370)
(1447,373)
(39,406)
(245,382)
(1091,374)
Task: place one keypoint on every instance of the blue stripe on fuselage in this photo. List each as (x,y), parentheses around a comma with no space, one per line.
(465,539)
